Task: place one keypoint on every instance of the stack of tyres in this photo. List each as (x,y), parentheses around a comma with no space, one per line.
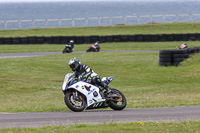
(179,56)
(174,57)
(194,50)
(191,50)
(197,49)
(165,58)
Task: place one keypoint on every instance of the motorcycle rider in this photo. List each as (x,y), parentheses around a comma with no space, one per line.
(69,47)
(71,43)
(82,71)
(183,46)
(96,46)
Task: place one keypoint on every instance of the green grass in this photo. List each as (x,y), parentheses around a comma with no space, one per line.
(34,84)
(104,46)
(137,127)
(107,30)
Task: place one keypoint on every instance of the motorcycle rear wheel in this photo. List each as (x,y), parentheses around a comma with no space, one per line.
(73,104)
(118,103)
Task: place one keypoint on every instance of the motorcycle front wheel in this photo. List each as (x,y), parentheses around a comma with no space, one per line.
(74,104)
(89,50)
(64,50)
(118,103)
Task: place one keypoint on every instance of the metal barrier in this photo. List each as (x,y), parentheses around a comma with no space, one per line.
(101,21)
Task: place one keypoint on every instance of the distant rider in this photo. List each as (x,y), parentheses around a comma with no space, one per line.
(83,71)
(96,46)
(69,47)
(71,43)
(183,46)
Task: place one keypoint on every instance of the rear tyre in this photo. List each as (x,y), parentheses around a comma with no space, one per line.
(74,105)
(118,103)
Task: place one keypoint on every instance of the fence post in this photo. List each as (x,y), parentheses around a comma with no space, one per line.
(86,22)
(72,22)
(59,23)
(163,18)
(33,24)
(138,19)
(110,21)
(125,20)
(151,19)
(190,17)
(176,18)
(19,23)
(46,22)
(99,21)
(5,24)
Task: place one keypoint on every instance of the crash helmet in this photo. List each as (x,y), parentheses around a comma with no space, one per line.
(74,63)
(96,43)
(71,42)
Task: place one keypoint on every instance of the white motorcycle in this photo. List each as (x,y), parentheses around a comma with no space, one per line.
(80,95)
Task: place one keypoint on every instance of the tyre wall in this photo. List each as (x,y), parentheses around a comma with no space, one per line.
(174,57)
(102,39)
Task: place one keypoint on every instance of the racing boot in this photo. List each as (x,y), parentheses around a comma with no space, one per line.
(107,88)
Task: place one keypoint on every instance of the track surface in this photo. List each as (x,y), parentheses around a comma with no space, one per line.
(33,54)
(169,114)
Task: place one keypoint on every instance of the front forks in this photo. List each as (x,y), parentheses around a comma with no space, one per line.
(75,95)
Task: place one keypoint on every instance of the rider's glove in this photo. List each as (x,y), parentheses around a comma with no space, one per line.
(75,78)
(82,77)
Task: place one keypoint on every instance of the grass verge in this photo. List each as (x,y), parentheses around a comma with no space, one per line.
(138,127)
(104,46)
(107,30)
(34,84)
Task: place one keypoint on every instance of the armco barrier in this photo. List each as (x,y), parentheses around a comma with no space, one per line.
(131,38)
(147,38)
(48,40)
(24,41)
(117,38)
(93,39)
(193,37)
(123,38)
(109,38)
(154,38)
(101,39)
(31,40)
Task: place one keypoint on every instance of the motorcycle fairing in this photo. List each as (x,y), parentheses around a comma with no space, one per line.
(107,80)
(91,92)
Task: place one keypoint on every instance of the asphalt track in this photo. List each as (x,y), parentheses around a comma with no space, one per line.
(33,54)
(36,120)
(40,119)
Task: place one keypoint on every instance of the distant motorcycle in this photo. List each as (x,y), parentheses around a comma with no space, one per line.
(94,48)
(69,47)
(80,95)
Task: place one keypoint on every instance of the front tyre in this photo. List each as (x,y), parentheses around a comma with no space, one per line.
(118,103)
(89,50)
(64,50)
(74,105)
